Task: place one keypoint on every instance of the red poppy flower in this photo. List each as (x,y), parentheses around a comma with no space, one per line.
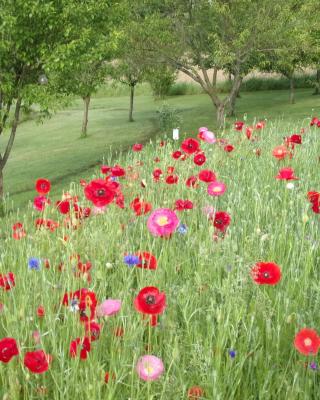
(170,170)
(176,154)
(199,159)
(314,121)
(181,205)
(172,179)
(157,159)
(107,377)
(207,176)
(190,146)
(83,344)
(249,131)
(286,174)
(192,181)
(140,207)
(150,301)
(157,174)
(266,273)
(37,361)
(118,171)
(99,192)
(41,311)
(7,281)
(8,349)
(18,231)
(221,220)
(46,223)
(307,342)
(296,139)
(43,186)
(238,125)
(137,147)
(280,152)
(63,206)
(105,169)
(195,393)
(81,212)
(314,198)
(260,125)
(93,329)
(228,148)
(86,301)
(147,260)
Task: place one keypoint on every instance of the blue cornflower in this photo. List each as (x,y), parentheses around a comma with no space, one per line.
(313,366)
(131,260)
(34,263)
(182,229)
(232,353)
(114,178)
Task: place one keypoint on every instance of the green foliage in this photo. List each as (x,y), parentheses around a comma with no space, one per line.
(161,79)
(169,118)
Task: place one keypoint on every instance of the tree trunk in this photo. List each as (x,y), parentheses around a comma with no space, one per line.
(131,102)
(1,184)
(292,99)
(221,115)
(1,195)
(234,94)
(4,158)
(317,88)
(86,102)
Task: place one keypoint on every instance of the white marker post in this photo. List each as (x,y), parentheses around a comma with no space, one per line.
(175,134)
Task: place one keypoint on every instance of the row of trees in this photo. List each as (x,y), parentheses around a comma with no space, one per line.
(76,44)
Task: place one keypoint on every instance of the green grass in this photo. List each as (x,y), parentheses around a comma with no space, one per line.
(213,305)
(54,149)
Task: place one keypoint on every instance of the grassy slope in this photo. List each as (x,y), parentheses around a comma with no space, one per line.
(54,150)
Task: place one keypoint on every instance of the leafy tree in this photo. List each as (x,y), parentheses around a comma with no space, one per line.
(291,55)
(197,36)
(79,65)
(310,38)
(30,31)
(128,71)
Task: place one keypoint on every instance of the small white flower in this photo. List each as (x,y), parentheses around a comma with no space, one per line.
(290,185)
(109,265)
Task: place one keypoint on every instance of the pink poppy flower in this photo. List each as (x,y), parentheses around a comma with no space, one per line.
(162,222)
(216,188)
(207,136)
(149,368)
(40,202)
(108,307)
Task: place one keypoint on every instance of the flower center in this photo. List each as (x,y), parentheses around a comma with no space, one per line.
(307,342)
(101,192)
(162,221)
(150,299)
(216,189)
(266,275)
(148,368)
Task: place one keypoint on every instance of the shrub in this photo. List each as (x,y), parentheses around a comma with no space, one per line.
(169,117)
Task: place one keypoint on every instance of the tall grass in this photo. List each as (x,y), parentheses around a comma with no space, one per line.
(213,305)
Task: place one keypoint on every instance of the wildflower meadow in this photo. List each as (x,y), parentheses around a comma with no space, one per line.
(183,269)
